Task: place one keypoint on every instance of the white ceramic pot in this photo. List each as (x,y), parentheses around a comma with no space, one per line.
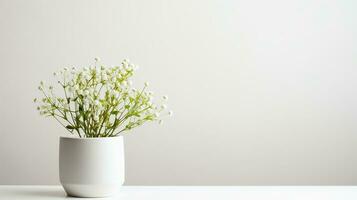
(91,167)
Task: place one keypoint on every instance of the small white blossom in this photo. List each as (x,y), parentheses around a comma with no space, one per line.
(104,77)
(100,91)
(97,59)
(80,92)
(165,97)
(150,99)
(156,114)
(170,113)
(116,95)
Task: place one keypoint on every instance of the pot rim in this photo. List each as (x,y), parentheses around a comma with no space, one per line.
(94,138)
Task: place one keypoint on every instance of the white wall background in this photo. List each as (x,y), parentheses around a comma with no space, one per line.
(264,92)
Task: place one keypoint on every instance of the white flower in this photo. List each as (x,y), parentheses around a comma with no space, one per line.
(70,89)
(97,59)
(66,106)
(86,92)
(161,121)
(104,77)
(108,87)
(116,95)
(80,92)
(101,93)
(91,90)
(150,99)
(156,115)
(87,77)
(170,113)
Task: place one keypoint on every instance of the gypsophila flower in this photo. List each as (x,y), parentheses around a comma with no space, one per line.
(170,113)
(156,115)
(165,97)
(99,101)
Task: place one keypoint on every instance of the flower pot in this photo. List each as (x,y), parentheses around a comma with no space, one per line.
(91,167)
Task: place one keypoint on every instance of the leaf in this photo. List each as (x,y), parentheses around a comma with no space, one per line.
(70,127)
(115,112)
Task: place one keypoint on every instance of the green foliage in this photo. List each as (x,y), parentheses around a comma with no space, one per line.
(99,101)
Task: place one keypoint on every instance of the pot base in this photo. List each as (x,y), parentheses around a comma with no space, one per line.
(91,191)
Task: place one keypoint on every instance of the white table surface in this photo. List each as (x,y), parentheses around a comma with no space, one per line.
(194,193)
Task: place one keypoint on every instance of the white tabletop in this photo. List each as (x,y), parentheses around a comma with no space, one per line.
(194,193)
